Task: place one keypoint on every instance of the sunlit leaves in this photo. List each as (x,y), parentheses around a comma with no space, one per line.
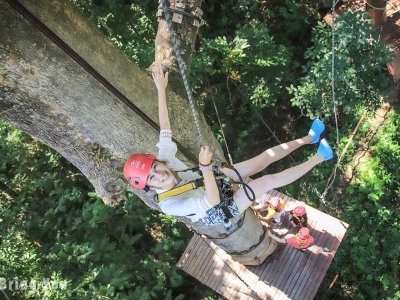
(359,68)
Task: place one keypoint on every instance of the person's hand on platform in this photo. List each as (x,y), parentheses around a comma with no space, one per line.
(262,203)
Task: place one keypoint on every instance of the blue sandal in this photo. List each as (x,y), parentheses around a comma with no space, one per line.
(317,128)
(325,150)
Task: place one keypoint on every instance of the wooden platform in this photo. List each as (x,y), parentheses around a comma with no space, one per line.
(287,274)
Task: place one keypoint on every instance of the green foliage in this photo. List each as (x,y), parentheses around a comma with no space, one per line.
(128,25)
(54,228)
(246,71)
(53,225)
(360,75)
(368,259)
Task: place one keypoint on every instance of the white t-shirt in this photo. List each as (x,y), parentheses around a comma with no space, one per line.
(192,204)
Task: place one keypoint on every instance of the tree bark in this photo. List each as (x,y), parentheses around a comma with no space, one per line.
(51,97)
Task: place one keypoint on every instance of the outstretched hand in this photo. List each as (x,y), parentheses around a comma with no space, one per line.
(205,156)
(159,78)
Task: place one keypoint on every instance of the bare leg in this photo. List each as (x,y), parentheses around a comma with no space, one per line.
(268,182)
(261,161)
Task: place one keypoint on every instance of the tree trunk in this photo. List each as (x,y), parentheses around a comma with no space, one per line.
(51,97)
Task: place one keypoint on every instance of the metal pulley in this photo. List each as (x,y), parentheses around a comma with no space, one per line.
(180,12)
(177,13)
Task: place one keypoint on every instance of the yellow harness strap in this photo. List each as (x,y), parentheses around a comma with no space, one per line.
(300,219)
(178,190)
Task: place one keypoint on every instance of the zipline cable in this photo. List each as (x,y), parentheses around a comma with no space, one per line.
(77,58)
(246,97)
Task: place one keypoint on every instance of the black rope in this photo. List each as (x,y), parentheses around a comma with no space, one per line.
(77,58)
(245,186)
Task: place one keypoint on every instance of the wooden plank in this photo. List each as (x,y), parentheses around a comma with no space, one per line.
(205,262)
(274,259)
(227,291)
(316,274)
(300,274)
(192,260)
(232,284)
(183,261)
(334,246)
(236,268)
(319,269)
(301,257)
(279,282)
(217,277)
(228,286)
(198,258)
(243,291)
(206,272)
(278,259)
(287,274)
(187,250)
(283,256)
(303,281)
(316,230)
(285,271)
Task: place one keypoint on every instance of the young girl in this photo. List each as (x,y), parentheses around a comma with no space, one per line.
(275,209)
(302,240)
(298,216)
(145,171)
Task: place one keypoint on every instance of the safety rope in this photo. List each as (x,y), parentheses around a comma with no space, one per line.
(182,69)
(77,58)
(246,97)
(332,178)
(222,131)
(5,294)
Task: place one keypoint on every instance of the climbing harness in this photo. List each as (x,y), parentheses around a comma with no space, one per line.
(300,219)
(226,188)
(192,185)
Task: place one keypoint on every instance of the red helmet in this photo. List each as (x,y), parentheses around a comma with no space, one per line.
(300,210)
(304,233)
(137,168)
(275,202)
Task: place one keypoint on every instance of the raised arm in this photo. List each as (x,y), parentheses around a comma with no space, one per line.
(212,193)
(161,82)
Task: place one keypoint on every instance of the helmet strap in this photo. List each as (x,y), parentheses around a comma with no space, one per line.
(177,179)
(300,241)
